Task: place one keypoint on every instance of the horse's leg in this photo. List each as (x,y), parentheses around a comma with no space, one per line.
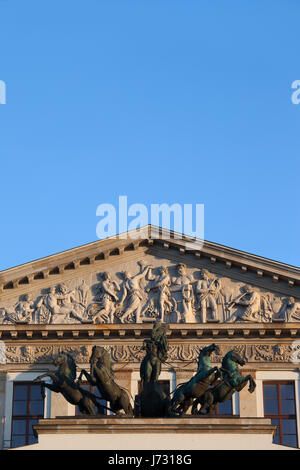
(194,410)
(212,408)
(88,377)
(124,404)
(252,384)
(48,374)
(176,402)
(186,404)
(52,387)
(88,406)
(206,402)
(243,384)
(82,408)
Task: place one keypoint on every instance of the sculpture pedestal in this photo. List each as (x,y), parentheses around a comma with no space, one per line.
(187,433)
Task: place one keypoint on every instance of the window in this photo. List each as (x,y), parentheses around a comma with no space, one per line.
(95,391)
(280,406)
(224,408)
(28,408)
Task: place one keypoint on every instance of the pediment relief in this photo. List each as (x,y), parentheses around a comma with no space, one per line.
(147,284)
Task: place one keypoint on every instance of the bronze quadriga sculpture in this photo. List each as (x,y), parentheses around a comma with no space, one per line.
(208,387)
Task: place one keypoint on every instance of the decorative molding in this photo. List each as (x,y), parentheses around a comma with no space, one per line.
(93,253)
(133,353)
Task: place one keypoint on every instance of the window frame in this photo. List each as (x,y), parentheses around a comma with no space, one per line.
(12,378)
(278,375)
(26,417)
(281,416)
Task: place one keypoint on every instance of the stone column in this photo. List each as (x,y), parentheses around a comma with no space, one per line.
(123,378)
(59,405)
(2,406)
(248,401)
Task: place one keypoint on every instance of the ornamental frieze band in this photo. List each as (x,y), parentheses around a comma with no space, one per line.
(133,353)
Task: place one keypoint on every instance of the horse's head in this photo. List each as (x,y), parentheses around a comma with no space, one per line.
(60,360)
(97,353)
(66,365)
(208,350)
(101,358)
(234,356)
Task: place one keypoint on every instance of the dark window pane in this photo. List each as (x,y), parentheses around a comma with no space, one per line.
(96,392)
(225,408)
(271,407)
(18,441)
(288,407)
(276,439)
(30,407)
(289,440)
(35,392)
(20,392)
(20,408)
(103,402)
(37,408)
(32,439)
(19,426)
(287,391)
(31,423)
(289,426)
(270,391)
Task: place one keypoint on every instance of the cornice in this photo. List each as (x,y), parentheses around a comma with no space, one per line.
(123,332)
(119,424)
(100,252)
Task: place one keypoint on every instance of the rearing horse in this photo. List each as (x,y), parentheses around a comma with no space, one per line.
(232,381)
(206,374)
(63,381)
(101,376)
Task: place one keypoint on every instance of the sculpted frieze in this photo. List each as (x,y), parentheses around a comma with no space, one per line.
(133,353)
(170,294)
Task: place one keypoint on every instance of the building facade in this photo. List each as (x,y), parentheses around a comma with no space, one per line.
(111,292)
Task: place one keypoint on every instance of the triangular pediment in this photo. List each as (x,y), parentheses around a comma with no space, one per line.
(141,278)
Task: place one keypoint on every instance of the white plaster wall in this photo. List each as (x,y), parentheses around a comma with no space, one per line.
(155,442)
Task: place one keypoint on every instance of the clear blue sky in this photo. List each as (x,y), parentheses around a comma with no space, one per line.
(184,101)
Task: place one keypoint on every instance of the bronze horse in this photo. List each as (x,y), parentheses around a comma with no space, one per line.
(231,381)
(101,376)
(206,375)
(63,381)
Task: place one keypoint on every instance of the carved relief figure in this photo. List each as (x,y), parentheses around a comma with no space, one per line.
(251,300)
(162,284)
(208,293)
(289,311)
(146,296)
(46,306)
(22,313)
(60,306)
(133,294)
(106,301)
(183,285)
